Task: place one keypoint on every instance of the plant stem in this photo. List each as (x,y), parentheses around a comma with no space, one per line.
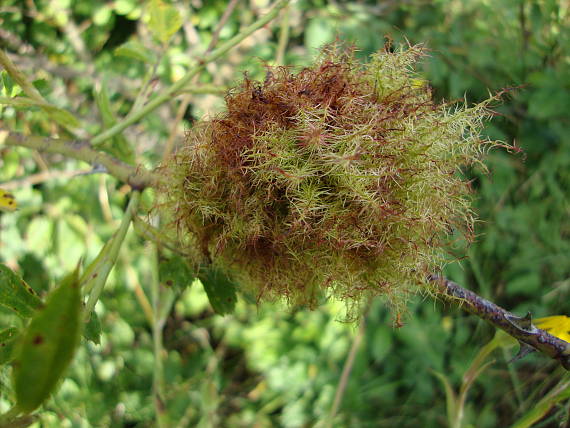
(157,327)
(110,256)
(137,177)
(169,92)
(346,370)
(520,328)
(20,78)
(283,38)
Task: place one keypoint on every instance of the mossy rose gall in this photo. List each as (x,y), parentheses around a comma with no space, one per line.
(339,180)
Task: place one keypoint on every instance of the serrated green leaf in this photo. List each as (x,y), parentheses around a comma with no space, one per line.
(16,295)
(221,290)
(8,338)
(135,50)
(175,273)
(92,330)
(48,345)
(164,20)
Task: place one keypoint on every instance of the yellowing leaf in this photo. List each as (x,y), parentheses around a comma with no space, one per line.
(7,201)
(164,20)
(556,325)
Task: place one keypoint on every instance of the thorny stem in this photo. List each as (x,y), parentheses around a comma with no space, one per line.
(137,177)
(521,328)
(168,93)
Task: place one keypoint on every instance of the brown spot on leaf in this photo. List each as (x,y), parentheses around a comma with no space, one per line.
(38,340)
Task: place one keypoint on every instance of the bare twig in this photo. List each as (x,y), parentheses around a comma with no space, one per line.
(41,177)
(137,177)
(521,328)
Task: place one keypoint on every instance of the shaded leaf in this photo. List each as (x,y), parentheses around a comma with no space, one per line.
(8,338)
(16,295)
(450,397)
(557,394)
(92,330)
(164,20)
(48,345)
(175,273)
(220,289)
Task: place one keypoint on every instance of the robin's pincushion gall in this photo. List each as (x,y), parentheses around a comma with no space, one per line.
(338,180)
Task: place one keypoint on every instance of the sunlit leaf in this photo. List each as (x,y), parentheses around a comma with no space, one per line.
(48,345)
(118,146)
(220,289)
(61,116)
(16,295)
(164,20)
(135,50)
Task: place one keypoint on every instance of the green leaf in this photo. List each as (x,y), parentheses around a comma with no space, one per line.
(16,295)
(220,289)
(450,398)
(104,104)
(48,345)
(8,84)
(175,273)
(164,20)
(117,146)
(135,50)
(8,338)
(61,116)
(92,330)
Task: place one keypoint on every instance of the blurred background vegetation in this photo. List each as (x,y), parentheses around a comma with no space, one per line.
(269,366)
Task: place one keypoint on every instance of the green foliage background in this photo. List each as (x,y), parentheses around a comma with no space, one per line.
(269,366)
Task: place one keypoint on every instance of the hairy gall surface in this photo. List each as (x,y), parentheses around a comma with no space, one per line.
(340,180)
